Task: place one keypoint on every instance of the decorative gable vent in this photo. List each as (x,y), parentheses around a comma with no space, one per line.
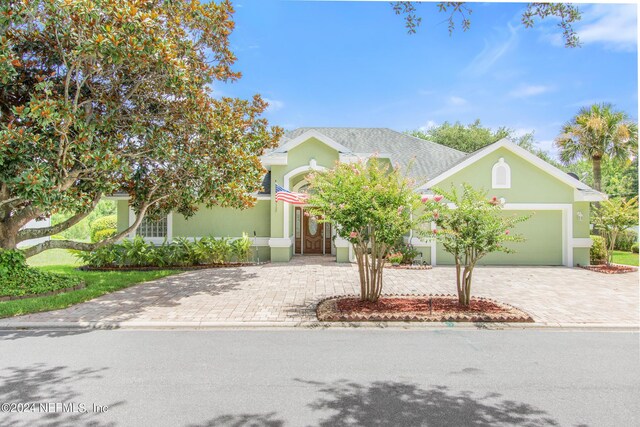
(501,175)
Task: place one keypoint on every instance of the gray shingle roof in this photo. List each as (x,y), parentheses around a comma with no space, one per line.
(425,158)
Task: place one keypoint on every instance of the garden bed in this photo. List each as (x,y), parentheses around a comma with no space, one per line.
(29,282)
(610,269)
(171,267)
(408,267)
(417,308)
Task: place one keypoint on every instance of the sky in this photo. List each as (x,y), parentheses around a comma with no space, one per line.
(352,64)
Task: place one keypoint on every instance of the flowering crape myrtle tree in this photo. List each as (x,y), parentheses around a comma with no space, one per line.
(103,96)
(614,216)
(469,226)
(371,205)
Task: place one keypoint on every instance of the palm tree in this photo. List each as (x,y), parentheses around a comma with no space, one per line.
(596,132)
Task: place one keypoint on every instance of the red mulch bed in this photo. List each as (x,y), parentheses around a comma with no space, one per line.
(408,267)
(422,308)
(610,269)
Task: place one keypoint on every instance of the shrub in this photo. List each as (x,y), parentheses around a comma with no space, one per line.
(104,234)
(634,248)
(180,252)
(626,240)
(241,248)
(612,217)
(395,258)
(11,261)
(18,279)
(598,251)
(109,222)
(409,253)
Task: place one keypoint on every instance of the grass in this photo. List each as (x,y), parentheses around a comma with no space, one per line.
(97,283)
(626,258)
(54,257)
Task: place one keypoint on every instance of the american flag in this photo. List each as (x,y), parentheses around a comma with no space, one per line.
(290,197)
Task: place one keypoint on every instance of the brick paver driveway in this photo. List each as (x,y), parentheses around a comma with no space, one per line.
(289,293)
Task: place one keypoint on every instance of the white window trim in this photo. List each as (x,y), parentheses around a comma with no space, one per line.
(494,174)
(155,240)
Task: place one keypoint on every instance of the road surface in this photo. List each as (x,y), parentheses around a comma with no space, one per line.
(333,377)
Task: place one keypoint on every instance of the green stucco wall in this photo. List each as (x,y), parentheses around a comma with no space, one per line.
(225,222)
(529,184)
(581,256)
(342,254)
(424,253)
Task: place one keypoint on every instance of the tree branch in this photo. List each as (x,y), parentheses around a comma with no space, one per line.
(84,246)
(34,233)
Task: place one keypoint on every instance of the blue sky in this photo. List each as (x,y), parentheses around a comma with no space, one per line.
(328,63)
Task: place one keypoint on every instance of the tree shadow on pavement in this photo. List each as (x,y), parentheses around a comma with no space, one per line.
(402,404)
(15,334)
(49,385)
(243,420)
(130,303)
(397,404)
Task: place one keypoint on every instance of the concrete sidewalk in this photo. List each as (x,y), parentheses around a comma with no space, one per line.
(276,295)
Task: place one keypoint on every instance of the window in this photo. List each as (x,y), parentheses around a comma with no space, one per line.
(501,175)
(153,229)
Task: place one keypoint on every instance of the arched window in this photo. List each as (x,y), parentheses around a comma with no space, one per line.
(501,175)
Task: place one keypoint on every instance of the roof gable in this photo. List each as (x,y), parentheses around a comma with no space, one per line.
(530,158)
(312,133)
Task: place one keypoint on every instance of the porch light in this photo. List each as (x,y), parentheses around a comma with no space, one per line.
(580,215)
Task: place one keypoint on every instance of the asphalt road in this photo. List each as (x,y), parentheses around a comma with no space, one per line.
(334,377)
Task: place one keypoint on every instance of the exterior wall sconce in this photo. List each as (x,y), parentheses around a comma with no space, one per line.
(580,215)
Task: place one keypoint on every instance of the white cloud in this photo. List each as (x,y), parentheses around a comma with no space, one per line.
(425,92)
(492,52)
(526,91)
(274,105)
(614,26)
(429,125)
(457,101)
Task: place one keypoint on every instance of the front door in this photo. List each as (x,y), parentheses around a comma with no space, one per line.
(312,235)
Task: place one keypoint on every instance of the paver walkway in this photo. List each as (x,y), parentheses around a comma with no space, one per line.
(289,293)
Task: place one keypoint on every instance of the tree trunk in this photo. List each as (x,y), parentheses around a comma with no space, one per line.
(468,272)
(370,269)
(610,245)
(8,237)
(597,173)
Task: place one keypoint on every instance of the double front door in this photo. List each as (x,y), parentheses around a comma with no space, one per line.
(311,235)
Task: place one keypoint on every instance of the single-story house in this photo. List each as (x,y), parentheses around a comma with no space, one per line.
(556,234)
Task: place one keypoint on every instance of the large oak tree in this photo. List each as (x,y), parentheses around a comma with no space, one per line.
(103,96)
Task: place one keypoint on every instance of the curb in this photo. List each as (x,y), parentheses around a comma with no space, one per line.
(133,325)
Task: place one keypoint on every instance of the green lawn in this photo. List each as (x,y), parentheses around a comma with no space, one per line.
(98,283)
(54,257)
(626,258)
